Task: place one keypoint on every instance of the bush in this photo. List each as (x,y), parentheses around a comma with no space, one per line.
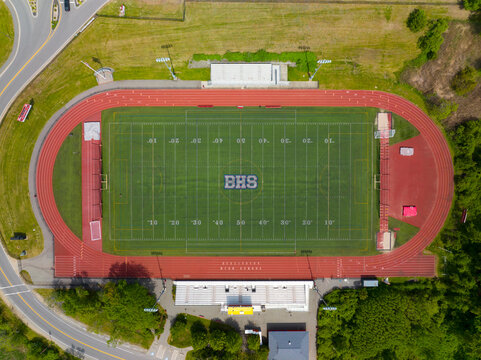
(440,108)
(416,20)
(199,336)
(217,340)
(472,5)
(464,81)
(253,342)
(233,342)
(431,42)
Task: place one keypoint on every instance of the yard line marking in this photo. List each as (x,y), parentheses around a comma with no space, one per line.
(339,190)
(252,145)
(175,183)
(207,190)
(273,181)
(197,180)
(230,157)
(164,171)
(295,180)
(131,186)
(110,188)
(186,193)
(328,181)
(240,191)
(284,180)
(350,179)
(218,183)
(142,174)
(153,187)
(306,182)
(370,233)
(317,177)
(262,167)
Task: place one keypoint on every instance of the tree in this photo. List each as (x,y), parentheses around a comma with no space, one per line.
(217,340)
(198,333)
(179,325)
(233,342)
(473,5)
(416,20)
(431,42)
(464,81)
(253,342)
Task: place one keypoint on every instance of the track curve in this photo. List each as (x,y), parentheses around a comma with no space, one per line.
(75,259)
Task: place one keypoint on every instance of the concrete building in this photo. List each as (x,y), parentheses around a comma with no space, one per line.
(260,295)
(288,345)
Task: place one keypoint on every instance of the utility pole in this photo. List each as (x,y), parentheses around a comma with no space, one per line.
(165,61)
(167,47)
(320,62)
(91,68)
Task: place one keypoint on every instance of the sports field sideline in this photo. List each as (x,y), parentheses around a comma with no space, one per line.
(289,181)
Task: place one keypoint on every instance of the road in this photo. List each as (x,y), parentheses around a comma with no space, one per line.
(35,45)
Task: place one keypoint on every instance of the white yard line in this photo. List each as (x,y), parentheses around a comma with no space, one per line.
(339,189)
(262,192)
(153,185)
(131,187)
(317,176)
(164,171)
(186,192)
(350,179)
(328,182)
(306,185)
(207,190)
(142,175)
(175,184)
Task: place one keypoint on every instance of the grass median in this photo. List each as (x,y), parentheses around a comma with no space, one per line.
(6,33)
(366,59)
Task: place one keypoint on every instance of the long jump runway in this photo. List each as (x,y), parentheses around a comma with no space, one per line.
(72,258)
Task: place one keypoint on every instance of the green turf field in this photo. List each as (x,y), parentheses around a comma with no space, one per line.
(166,167)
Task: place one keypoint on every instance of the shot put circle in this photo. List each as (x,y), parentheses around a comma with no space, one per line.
(241,167)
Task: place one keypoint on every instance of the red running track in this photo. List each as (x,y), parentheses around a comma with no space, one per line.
(72,258)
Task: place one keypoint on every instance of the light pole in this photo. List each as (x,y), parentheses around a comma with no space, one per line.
(167,47)
(320,62)
(165,61)
(91,68)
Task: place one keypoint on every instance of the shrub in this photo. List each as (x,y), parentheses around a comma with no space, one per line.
(431,42)
(472,5)
(253,342)
(464,81)
(233,342)
(416,20)
(440,108)
(198,334)
(217,340)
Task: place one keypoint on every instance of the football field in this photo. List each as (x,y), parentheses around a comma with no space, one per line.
(228,181)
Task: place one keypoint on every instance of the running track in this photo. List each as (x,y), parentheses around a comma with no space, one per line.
(72,258)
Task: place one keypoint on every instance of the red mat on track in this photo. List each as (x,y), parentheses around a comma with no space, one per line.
(414,180)
(74,259)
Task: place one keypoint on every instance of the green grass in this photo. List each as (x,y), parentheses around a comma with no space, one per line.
(366,59)
(405,233)
(167,192)
(147,9)
(183,339)
(26,276)
(404,130)
(67,181)
(6,33)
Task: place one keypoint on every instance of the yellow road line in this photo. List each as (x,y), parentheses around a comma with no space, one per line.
(50,34)
(60,331)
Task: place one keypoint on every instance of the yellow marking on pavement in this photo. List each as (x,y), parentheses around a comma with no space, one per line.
(50,34)
(60,331)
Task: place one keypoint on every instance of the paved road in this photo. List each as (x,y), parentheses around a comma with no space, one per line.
(35,45)
(67,334)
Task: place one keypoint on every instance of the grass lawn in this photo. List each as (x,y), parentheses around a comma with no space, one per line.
(67,181)
(405,233)
(404,130)
(311,189)
(183,340)
(6,33)
(364,59)
(145,8)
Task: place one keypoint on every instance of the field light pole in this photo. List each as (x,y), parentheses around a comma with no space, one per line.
(167,47)
(91,68)
(165,61)
(320,62)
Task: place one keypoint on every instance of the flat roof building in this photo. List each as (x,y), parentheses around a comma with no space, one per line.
(288,345)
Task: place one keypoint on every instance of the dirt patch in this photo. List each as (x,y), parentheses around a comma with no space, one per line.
(461,47)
